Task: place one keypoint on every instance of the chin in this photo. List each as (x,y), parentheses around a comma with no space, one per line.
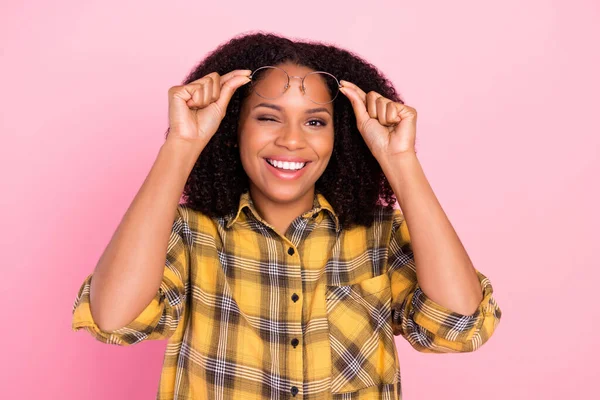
(282,193)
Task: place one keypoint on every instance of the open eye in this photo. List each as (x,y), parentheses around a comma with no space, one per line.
(318,121)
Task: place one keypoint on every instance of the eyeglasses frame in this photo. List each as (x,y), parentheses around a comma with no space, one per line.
(287,85)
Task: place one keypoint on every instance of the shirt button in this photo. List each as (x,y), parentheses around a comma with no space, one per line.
(295,342)
(291,251)
(294,390)
(295,297)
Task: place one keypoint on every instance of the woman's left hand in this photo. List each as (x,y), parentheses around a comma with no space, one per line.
(389,128)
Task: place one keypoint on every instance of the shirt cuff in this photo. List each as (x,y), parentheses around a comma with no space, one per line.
(136,331)
(450,325)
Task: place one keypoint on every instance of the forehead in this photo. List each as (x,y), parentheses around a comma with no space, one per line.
(274,82)
(294,69)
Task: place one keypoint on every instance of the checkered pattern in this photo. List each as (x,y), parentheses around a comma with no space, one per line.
(226,306)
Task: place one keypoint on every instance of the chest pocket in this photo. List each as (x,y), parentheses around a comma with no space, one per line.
(363,353)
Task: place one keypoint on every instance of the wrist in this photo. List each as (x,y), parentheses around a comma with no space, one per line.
(183,150)
(393,161)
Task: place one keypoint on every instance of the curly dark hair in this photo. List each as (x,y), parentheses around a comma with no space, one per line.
(353,181)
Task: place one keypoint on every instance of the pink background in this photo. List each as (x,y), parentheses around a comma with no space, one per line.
(508,134)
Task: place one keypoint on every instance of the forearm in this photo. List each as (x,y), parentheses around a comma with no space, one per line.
(130,270)
(444,270)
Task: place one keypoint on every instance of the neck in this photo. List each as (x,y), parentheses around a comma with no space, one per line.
(280,215)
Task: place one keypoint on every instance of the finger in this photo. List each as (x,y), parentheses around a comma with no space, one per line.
(360,92)
(207,91)
(216,88)
(358,105)
(392,113)
(381,104)
(197,99)
(372,97)
(179,92)
(231,74)
(202,80)
(192,94)
(212,88)
(228,88)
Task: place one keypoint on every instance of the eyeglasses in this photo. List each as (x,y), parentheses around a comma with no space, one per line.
(312,84)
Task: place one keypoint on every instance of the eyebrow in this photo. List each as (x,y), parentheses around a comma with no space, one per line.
(278,108)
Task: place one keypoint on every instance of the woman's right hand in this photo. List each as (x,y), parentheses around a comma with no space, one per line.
(197,108)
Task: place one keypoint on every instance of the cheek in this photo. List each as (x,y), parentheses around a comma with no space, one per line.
(323,145)
(245,151)
(251,143)
(247,140)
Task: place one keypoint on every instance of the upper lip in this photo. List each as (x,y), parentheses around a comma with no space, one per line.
(288,159)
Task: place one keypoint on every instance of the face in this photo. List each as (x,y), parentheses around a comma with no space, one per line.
(285,143)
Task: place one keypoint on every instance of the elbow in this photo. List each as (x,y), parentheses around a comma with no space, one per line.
(464,337)
(479,336)
(109,326)
(464,303)
(470,304)
(106,323)
(107,317)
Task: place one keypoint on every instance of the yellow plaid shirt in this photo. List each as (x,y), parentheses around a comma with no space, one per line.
(251,314)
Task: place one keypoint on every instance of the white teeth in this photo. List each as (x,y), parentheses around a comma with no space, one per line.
(294,166)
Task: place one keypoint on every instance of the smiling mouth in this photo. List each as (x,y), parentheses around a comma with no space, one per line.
(287,166)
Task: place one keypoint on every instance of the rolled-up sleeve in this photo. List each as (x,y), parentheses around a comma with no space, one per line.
(163,314)
(428,326)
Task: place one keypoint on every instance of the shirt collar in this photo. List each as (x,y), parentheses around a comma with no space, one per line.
(319,203)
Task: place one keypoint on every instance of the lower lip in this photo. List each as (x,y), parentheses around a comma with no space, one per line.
(286,174)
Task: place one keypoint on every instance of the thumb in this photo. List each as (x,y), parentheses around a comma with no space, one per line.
(228,88)
(360,110)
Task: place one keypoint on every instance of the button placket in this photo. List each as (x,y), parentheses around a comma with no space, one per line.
(295,298)
(296,357)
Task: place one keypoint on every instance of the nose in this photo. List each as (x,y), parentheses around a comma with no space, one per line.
(291,137)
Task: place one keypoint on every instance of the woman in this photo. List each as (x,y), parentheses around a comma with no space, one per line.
(288,270)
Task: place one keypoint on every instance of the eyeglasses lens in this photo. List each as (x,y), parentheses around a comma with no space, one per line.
(270,83)
(320,87)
